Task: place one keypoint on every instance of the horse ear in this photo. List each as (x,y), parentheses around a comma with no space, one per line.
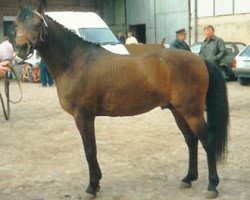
(41,6)
(20,3)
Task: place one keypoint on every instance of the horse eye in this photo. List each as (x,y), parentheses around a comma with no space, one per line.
(36,26)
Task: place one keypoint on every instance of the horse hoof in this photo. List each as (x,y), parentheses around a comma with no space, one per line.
(211,194)
(184,185)
(88,196)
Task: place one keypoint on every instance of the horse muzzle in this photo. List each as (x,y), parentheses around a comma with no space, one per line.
(25,50)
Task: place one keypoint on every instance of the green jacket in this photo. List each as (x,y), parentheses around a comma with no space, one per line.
(177,44)
(213,50)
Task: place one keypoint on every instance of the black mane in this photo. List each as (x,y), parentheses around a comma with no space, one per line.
(70,35)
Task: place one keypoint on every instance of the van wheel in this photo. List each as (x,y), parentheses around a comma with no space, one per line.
(243,81)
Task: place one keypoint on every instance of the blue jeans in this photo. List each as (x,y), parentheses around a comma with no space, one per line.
(45,76)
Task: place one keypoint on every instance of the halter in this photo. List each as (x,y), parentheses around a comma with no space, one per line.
(32,44)
(39,15)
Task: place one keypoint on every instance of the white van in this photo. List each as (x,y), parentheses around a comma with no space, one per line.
(90,27)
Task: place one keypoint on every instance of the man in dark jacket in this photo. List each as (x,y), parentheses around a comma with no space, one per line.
(179,42)
(213,48)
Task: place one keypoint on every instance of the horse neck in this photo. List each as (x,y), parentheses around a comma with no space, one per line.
(61,48)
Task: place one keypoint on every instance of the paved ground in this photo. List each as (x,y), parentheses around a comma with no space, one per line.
(142,157)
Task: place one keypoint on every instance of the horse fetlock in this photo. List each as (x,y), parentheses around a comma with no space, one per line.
(213,182)
(93,189)
(192,176)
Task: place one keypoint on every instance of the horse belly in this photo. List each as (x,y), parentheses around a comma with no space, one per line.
(131,103)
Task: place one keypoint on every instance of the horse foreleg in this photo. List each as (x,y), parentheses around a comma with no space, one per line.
(85,124)
(192,143)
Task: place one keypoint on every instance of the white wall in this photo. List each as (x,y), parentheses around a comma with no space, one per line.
(231,19)
(230,27)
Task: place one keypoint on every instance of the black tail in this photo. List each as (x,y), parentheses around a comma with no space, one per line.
(217,111)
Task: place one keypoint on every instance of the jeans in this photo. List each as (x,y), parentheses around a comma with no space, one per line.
(45,76)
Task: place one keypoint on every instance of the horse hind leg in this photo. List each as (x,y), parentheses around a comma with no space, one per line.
(208,143)
(192,143)
(199,128)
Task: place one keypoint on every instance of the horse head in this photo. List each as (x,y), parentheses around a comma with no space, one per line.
(30,28)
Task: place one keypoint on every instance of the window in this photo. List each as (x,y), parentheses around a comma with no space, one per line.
(224,7)
(98,35)
(209,8)
(230,48)
(205,8)
(245,52)
(242,6)
(240,47)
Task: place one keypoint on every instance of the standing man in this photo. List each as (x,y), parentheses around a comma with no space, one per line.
(131,39)
(213,48)
(6,50)
(179,42)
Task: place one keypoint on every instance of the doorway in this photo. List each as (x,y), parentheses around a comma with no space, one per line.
(139,31)
(9,30)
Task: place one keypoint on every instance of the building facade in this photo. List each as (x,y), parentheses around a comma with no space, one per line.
(153,20)
(150,20)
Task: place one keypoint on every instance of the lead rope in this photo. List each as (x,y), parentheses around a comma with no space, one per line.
(6,111)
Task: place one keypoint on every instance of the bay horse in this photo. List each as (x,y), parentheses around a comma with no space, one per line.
(92,82)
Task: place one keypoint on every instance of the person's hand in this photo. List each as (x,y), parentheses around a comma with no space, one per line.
(4,67)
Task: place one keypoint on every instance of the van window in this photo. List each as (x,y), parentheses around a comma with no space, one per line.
(100,36)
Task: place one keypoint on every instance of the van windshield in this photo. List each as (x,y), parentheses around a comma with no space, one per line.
(100,36)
